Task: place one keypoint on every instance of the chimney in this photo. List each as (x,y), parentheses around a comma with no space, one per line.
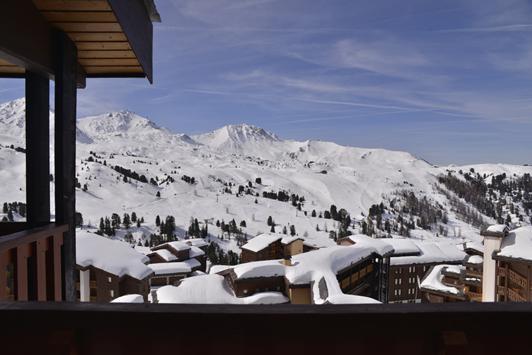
(287,261)
(493,236)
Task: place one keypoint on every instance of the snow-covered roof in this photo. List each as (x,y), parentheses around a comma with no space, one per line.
(193,263)
(132,298)
(196,242)
(382,246)
(431,252)
(179,267)
(497,228)
(195,252)
(262,241)
(165,254)
(433,281)
(264,268)
(219,268)
(212,289)
(476,246)
(112,256)
(403,246)
(475,259)
(517,244)
(177,245)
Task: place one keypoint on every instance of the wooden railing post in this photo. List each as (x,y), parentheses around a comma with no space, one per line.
(4,257)
(23,252)
(57,243)
(41,269)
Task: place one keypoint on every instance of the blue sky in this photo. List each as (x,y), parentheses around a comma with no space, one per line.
(449,81)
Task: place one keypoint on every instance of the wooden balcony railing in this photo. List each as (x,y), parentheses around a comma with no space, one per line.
(501,271)
(515,296)
(30,262)
(517,278)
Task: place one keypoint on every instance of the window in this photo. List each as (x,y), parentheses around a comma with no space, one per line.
(109,279)
(112,293)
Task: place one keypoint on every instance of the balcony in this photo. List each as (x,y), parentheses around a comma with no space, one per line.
(450,328)
(30,262)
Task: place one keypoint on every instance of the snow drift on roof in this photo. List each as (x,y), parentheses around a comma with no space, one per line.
(261,242)
(403,246)
(197,242)
(165,254)
(112,256)
(382,246)
(219,268)
(517,244)
(497,228)
(264,268)
(212,289)
(433,281)
(195,252)
(179,267)
(475,259)
(431,252)
(351,299)
(132,298)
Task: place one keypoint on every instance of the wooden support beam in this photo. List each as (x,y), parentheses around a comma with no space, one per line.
(31,47)
(37,148)
(138,28)
(65,153)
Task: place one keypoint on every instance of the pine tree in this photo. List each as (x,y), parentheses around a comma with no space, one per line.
(284,230)
(272,229)
(133,217)
(10,216)
(313,214)
(126,221)
(292,230)
(138,223)
(157,221)
(158,194)
(101,227)
(5,209)
(270,221)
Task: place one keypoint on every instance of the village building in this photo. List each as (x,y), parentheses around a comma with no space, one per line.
(507,275)
(443,284)
(179,251)
(410,263)
(327,275)
(108,269)
(271,246)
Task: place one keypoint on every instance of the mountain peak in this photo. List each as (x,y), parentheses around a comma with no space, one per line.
(118,122)
(236,136)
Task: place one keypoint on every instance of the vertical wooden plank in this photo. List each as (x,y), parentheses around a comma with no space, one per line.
(37,148)
(23,252)
(4,258)
(41,269)
(57,243)
(65,59)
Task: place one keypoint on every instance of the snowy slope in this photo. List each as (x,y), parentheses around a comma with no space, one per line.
(324,173)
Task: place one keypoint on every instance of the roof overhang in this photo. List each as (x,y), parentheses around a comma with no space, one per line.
(114,38)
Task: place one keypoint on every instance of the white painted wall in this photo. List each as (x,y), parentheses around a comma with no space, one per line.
(489,285)
(84,286)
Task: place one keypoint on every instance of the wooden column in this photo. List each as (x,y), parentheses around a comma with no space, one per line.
(37,148)
(84,285)
(65,60)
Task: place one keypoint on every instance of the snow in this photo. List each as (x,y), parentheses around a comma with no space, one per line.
(382,246)
(433,281)
(517,244)
(132,298)
(431,252)
(112,256)
(165,254)
(192,263)
(497,228)
(219,268)
(212,289)
(195,252)
(351,299)
(178,267)
(287,240)
(196,242)
(265,268)
(261,242)
(177,245)
(403,246)
(475,259)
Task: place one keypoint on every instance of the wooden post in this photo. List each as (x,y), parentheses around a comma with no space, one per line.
(41,269)
(37,148)
(65,60)
(23,252)
(57,243)
(84,285)
(4,257)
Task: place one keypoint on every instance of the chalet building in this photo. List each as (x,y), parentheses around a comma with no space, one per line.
(507,275)
(410,263)
(442,284)
(67,42)
(471,277)
(270,247)
(318,276)
(171,273)
(179,251)
(108,269)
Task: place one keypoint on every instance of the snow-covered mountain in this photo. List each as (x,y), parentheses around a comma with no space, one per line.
(235,168)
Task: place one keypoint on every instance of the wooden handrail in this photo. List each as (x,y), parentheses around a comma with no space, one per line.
(30,235)
(31,262)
